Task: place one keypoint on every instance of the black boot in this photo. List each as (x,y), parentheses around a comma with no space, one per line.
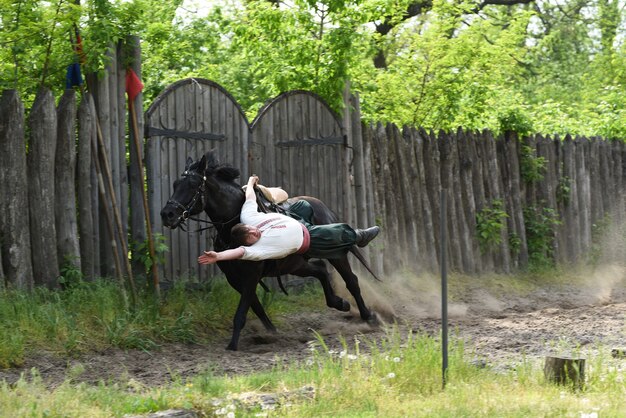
(364,236)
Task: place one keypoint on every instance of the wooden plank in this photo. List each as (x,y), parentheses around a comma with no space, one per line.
(470,251)
(605,180)
(515,191)
(135,184)
(182,121)
(66,223)
(412,205)
(195,149)
(106,264)
(42,124)
(593,160)
(394,181)
(86,227)
(425,226)
(122,150)
(433,183)
(360,184)
(584,193)
(569,197)
(15,246)
(619,176)
(380,210)
(447,169)
(502,255)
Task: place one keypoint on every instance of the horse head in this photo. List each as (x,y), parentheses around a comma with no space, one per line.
(188,193)
(204,185)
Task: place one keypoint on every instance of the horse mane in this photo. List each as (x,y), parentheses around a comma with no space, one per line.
(228,173)
(221,171)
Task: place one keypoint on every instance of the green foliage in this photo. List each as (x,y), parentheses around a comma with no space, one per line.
(540,223)
(532,167)
(515,119)
(141,251)
(564,189)
(490,222)
(515,243)
(38,39)
(70,273)
(542,67)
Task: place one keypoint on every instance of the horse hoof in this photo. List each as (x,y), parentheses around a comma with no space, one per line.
(345,306)
(231,347)
(374,319)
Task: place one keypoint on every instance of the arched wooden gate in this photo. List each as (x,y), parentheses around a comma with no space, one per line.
(187,119)
(295,142)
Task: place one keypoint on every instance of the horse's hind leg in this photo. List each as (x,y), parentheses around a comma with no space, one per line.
(258,310)
(318,270)
(352,284)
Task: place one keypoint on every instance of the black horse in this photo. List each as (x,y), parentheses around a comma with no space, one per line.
(210,186)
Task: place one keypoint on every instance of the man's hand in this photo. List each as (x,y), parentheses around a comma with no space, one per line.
(209,257)
(252,181)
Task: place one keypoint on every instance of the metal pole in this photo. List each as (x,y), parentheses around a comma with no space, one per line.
(444,292)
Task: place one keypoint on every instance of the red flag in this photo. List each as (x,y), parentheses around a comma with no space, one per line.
(133,84)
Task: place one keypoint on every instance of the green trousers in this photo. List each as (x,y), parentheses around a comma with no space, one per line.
(327,241)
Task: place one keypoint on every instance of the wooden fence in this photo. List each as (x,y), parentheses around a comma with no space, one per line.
(581,187)
(66,203)
(83,195)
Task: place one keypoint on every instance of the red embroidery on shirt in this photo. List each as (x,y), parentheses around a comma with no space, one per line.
(262,224)
(278,226)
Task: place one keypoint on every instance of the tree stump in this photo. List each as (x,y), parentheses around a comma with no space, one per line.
(565,371)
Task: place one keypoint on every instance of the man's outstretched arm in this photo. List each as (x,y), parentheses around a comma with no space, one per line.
(211,257)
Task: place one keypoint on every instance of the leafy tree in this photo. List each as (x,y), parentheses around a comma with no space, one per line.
(530,66)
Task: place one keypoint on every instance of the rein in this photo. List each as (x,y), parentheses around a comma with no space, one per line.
(186,210)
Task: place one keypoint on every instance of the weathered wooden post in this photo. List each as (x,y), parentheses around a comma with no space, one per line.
(68,250)
(88,222)
(14,209)
(41,155)
(565,371)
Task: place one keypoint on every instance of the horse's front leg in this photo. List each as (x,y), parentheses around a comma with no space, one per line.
(255,304)
(248,292)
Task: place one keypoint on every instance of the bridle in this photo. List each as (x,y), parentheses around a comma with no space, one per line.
(186,210)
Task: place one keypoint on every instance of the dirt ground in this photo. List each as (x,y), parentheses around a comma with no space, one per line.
(498,327)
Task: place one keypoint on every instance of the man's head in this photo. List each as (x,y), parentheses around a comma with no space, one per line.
(243,234)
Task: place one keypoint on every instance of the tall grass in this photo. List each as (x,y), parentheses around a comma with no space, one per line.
(400,377)
(91,316)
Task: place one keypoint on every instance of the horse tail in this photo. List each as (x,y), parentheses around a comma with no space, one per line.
(359,255)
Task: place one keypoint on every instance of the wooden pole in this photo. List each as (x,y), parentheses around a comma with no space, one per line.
(109,222)
(155,270)
(116,212)
(444,292)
